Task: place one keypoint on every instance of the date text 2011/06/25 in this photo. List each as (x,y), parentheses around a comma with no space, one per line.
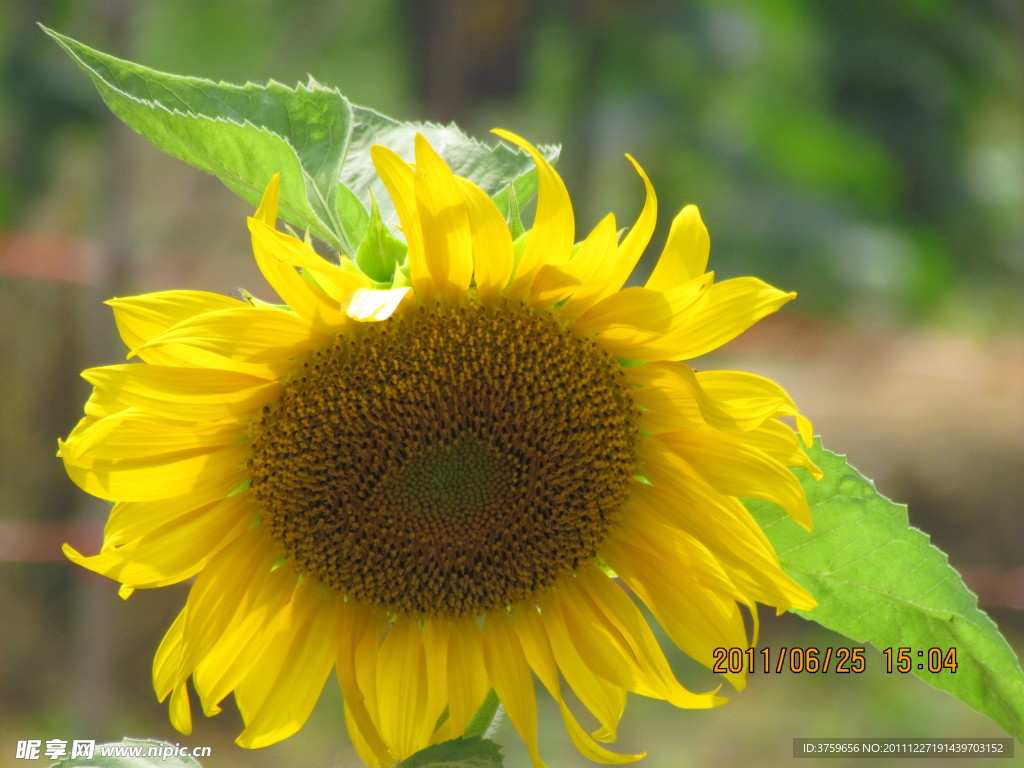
(837,660)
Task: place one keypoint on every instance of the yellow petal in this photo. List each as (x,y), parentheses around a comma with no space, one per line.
(267,210)
(333,285)
(296,292)
(405,717)
(181,710)
(370,305)
(510,675)
(601,264)
(182,355)
(723,525)
(399,180)
(277,697)
(698,621)
(252,334)
(435,637)
(670,545)
(250,665)
(204,476)
(142,318)
(639,315)
(492,241)
(188,394)
(587,746)
(468,683)
(639,235)
(574,644)
(447,240)
(619,263)
(100,405)
(130,521)
(754,399)
(588,269)
(356,664)
(732,466)
(167,669)
(602,619)
(135,436)
(604,700)
(552,284)
(257,341)
(732,307)
(685,255)
(668,471)
(551,238)
(235,654)
(278,257)
(356,735)
(223,597)
(778,440)
(168,549)
(672,393)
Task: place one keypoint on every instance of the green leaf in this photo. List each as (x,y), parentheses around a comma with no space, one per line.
(243,134)
(131,753)
(877,580)
(310,134)
(475,752)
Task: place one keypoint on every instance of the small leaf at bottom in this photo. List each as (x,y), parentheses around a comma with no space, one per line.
(474,752)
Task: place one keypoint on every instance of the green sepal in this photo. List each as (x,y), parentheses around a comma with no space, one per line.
(512,211)
(380,253)
(401,278)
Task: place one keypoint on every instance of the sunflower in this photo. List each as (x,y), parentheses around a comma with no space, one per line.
(443,485)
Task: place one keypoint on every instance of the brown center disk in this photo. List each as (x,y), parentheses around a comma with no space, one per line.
(448,461)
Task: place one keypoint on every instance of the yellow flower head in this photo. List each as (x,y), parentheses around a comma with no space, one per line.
(440,486)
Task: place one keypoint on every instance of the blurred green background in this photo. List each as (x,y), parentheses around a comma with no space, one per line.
(869,155)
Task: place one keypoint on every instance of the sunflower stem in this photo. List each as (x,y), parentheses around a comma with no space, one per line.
(486,718)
